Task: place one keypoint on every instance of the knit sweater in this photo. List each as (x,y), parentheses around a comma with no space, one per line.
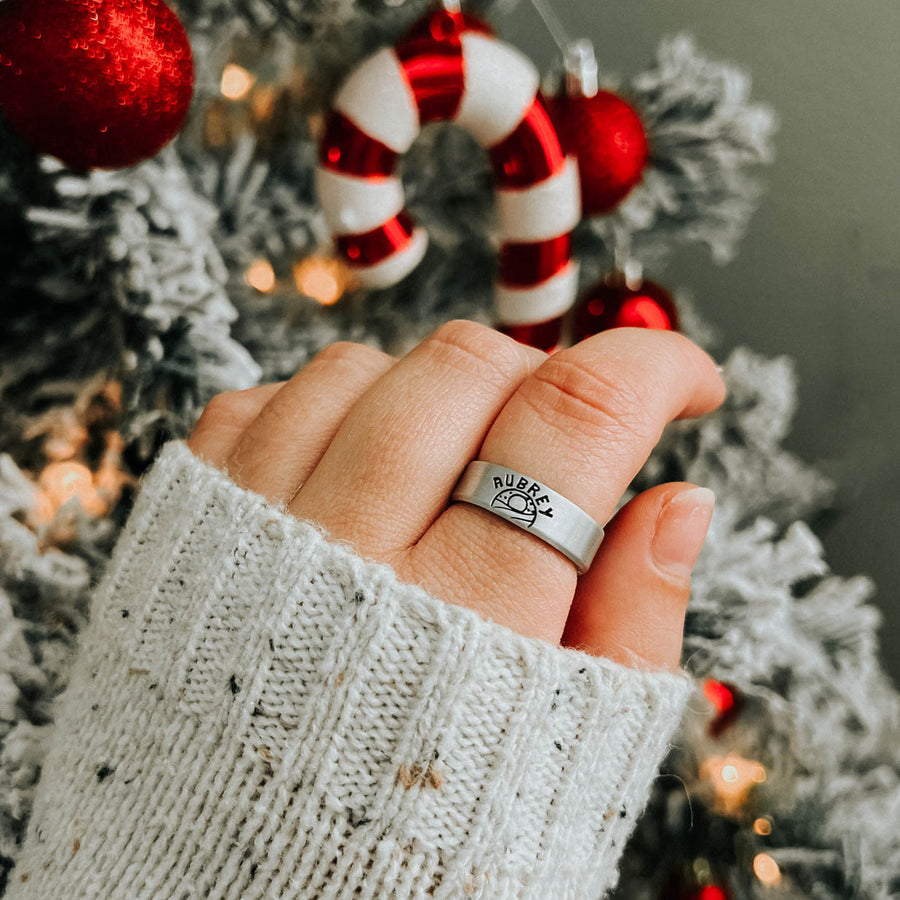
(257,712)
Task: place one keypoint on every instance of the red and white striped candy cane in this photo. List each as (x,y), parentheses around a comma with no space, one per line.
(449,68)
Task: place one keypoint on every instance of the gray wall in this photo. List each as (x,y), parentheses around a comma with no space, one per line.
(818,275)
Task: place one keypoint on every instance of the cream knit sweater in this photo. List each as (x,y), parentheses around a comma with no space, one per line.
(256,712)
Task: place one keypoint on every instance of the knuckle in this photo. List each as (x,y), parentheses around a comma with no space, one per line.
(566,393)
(223,407)
(349,352)
(476,349)
(224,412)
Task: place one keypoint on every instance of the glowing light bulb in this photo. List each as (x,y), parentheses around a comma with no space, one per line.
(262,101)
(63,482)
(321,278)
(766,869)
(732,778)
(236,82)
(260,275)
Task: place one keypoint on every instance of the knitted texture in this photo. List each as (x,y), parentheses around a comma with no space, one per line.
(258,712)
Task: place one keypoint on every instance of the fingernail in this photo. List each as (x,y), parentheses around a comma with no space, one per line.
(681,529)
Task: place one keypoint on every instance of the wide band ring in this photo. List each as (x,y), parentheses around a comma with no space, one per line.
(533,507)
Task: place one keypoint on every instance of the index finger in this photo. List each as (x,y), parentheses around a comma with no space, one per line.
(583,424)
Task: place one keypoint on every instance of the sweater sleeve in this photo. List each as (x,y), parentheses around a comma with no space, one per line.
(257,712)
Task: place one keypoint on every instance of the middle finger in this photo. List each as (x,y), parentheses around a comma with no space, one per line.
(390,469)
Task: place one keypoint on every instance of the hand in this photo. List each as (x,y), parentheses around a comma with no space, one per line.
(370,447)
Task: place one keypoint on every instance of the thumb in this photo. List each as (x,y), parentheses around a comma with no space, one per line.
(629,606)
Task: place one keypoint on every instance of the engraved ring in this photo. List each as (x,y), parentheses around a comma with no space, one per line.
(533,507)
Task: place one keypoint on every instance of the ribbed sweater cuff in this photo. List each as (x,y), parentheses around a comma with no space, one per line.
(258,712)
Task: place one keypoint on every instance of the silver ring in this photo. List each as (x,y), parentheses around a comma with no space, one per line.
(533,507)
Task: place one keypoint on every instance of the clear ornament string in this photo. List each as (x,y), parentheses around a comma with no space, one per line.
(553,24)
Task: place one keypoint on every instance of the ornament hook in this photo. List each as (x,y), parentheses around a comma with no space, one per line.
(580,63)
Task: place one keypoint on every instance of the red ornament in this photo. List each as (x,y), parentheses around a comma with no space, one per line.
(710,892)
(543,335)
(608,139)
(96,83)
(727,702)
(613,304)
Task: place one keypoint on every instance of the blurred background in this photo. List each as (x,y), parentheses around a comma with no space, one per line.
(817,276)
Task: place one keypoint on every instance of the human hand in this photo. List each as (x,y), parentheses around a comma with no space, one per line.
(369,448)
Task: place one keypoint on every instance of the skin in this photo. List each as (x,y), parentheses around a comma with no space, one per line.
(370,447)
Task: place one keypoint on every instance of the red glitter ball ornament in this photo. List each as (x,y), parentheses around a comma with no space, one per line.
(613,304)
(96,83)
(607,137)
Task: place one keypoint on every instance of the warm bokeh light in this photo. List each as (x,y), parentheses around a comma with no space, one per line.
(766,869)
(110,478)
(763,826)
(316,122)
(262,102)
(260,275)
(236,82)
(65,442)
(322,278)
(63,482)
(732,778)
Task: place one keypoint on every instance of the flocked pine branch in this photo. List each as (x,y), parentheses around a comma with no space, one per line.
(707,140)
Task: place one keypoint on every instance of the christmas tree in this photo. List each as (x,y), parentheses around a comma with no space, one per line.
(132,295)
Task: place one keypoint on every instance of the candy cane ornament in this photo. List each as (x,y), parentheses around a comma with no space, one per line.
(450,68)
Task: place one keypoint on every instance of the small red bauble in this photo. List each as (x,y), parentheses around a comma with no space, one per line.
(710,892)
(613,304)
(96,83)
(727,702)
(543,335)
(608,139)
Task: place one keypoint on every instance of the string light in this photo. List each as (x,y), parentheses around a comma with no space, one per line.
(262,101)
(64,482)
(732,778)
(236,82)
(323,278)
(763,826)
(110,477)
(260,275)
(316,122)
(766,869)
(74,480)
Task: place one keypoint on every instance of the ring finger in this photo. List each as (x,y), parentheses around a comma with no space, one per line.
(583,424)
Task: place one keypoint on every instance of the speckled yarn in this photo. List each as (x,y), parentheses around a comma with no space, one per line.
(258,712)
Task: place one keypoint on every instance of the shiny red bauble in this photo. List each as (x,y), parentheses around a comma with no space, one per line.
(613,304)
(727,702)
(608,139)
(543,335)
(96,83)
(710,892)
